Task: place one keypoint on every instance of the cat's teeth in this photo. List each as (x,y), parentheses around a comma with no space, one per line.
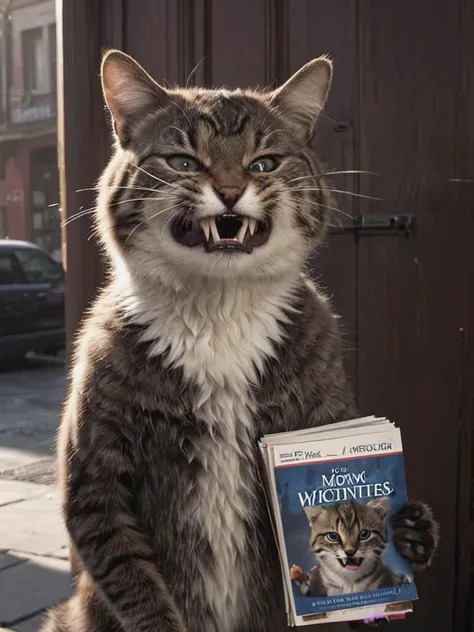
(252,225)
(215,233)
(206,229)
(243,230)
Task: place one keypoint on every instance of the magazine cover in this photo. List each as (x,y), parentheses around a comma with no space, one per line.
(335,509)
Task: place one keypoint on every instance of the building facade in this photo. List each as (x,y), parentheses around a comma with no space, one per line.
(29,186)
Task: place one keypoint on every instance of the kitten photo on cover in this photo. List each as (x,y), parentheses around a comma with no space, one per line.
(348,540)
(207,335)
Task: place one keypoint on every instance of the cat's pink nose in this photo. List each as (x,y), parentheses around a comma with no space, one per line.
(229,195)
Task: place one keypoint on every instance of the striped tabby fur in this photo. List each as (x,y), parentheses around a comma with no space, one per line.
(188,356)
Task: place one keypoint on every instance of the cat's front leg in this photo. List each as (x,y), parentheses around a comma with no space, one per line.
(416,534)
(98,507)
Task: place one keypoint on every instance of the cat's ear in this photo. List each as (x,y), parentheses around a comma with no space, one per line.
(129,91)
(313,512)
(303,96)
(381,505)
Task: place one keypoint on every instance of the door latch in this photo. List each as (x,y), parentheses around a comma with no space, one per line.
(378,224)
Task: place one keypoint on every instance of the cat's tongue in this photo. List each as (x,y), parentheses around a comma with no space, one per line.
(351,567)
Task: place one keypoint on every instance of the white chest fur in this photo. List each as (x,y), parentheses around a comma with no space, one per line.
(220,338)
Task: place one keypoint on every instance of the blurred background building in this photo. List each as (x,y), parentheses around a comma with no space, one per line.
(28,155)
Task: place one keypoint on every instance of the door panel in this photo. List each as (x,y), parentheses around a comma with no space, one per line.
(311,33)
(239,39)
(156,46)
(410,298)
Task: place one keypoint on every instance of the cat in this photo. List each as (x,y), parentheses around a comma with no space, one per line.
(348,540)
(207,335)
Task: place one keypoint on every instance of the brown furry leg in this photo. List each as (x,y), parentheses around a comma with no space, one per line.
(82,613)
(56,619)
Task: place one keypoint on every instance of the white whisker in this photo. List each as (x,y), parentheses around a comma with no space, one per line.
(359,195)
(175,186)
(185,115)
(87,211)
(93,208)
(121,187)
(330,208)
(275,131)
(331,173)
(186,85)
(147,219)
(338,224)
(173,215)
(184,137)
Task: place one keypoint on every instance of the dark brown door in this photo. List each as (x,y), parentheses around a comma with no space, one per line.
(311,32)
(410,290)
(401,108)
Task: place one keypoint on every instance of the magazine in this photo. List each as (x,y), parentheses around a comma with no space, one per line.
(331,492)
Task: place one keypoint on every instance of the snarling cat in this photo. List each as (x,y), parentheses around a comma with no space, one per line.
(207,335)
(348,540)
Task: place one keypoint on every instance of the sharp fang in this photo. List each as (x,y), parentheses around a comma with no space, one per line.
(252,225)
(243,230)
(206,229)
(215,233)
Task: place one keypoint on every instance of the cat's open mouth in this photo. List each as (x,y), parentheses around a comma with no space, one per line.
(225,232)
(351,563)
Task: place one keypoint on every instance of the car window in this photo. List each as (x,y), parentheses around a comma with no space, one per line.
(38,267)
(10,271)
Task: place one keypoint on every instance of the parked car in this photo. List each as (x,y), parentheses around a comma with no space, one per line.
(32,300)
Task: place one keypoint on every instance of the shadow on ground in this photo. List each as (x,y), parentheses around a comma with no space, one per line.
(31,400)
(29,587)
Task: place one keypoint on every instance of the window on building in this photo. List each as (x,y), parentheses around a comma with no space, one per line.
(46,221)
(38,267)
(52,59)
(32,45)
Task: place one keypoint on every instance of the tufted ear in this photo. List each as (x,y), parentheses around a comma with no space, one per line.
(381,505)
(129,91)
(313,512)
(303,96)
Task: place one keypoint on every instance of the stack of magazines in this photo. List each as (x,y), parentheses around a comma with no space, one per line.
(331,492)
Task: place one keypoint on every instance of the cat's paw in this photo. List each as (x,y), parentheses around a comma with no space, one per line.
(416,534)
(298,575)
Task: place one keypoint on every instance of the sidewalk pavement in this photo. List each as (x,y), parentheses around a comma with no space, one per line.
(34,564)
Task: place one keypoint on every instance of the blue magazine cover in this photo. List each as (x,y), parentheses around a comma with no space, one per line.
(335,507)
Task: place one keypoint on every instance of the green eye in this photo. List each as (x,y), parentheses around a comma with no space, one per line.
(183,163)
(264,165)
(365,534)
(332,536)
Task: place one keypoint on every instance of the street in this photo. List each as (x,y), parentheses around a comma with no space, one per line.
(34,566)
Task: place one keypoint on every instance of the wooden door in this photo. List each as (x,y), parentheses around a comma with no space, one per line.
(401,108)
(311,33)
(411,289)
